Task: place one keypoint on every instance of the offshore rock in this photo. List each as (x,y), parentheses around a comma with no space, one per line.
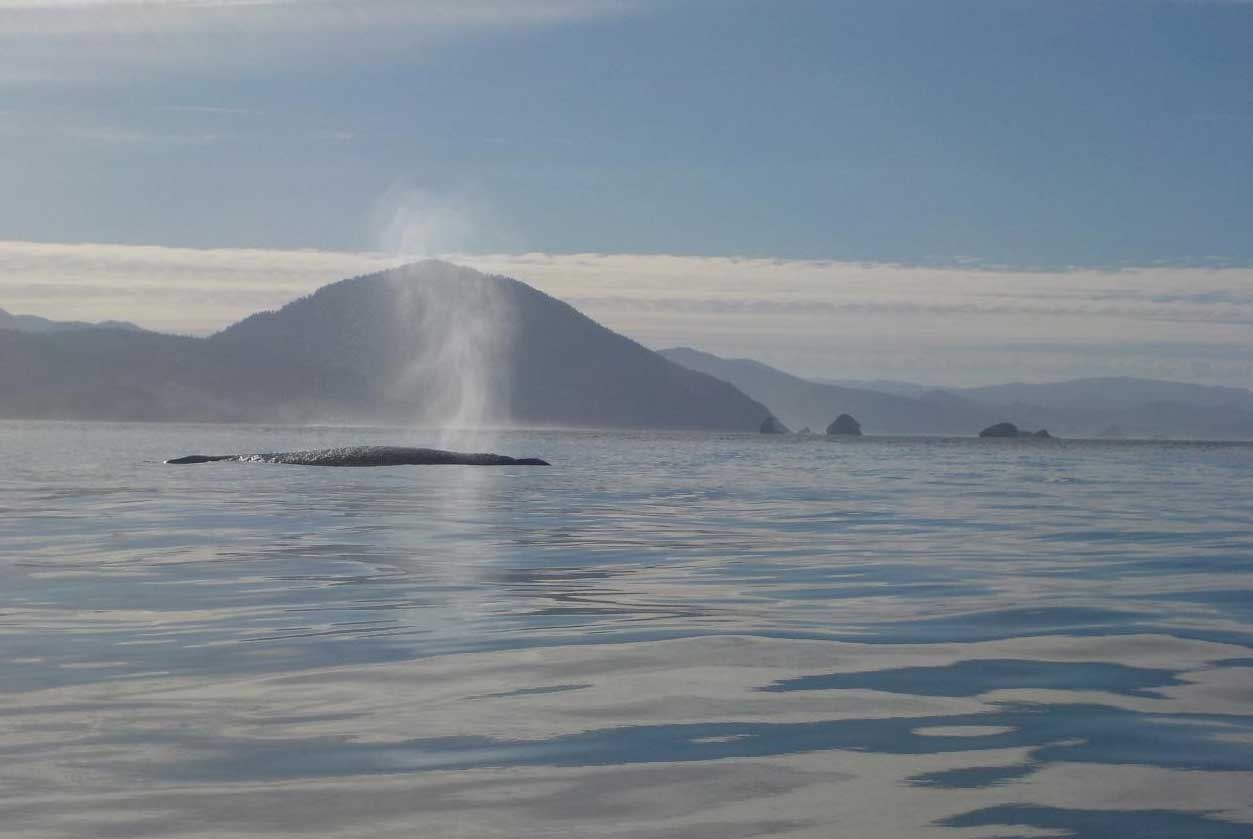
(368,456)
(1008,429)
(771,425)
(1001,429)
(845,424)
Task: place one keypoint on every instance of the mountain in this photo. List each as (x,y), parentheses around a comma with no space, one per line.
(880,386)
(1077,408)
(434,344)
(34,323)
(429,343)
(1136,407)
(1112,393)
(104,374)
(799,402)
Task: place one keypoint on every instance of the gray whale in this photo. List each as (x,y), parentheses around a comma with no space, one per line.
(368,456)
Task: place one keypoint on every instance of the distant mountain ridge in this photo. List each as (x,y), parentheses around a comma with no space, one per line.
(436,344)
(881,386)
(1081,407)
(36,324)
(1112,392)
(800,402)
(429,343)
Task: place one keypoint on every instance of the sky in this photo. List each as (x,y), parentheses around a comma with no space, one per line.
(955,192)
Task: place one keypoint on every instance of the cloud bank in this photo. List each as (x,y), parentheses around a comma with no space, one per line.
(816,318)
(99,40)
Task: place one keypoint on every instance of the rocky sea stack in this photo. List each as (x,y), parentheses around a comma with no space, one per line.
(771,425)
(844,424)
(1008,429)
(1001,429)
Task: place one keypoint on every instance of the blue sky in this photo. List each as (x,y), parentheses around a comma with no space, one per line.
(1022,133)
(953,191)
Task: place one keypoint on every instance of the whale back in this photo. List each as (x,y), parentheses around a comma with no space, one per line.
(369,456)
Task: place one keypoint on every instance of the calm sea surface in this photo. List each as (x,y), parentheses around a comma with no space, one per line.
(659,636)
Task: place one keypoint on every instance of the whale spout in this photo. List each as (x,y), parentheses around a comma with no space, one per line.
(368,456)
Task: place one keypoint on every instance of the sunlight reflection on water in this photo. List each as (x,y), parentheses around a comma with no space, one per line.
(661,635)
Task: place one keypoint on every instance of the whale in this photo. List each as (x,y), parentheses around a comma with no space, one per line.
(367,456)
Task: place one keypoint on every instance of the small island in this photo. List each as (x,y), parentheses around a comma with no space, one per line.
(771,425)
(845,425)
(1008,429)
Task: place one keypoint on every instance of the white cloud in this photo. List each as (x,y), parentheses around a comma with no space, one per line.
(829,319)
(72,16)
(69,40)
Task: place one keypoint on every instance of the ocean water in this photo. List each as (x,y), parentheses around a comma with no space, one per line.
(662,635)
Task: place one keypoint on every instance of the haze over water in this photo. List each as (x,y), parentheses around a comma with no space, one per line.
(661,635)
